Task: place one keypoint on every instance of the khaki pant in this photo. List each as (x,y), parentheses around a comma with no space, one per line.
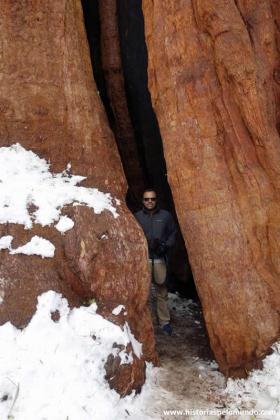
(159,277)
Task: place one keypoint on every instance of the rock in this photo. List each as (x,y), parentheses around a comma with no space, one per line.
(211,67)
(50,105)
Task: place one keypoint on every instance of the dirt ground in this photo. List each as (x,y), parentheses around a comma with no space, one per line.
(188,377)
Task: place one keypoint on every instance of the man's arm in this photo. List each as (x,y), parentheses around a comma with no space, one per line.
(172,231)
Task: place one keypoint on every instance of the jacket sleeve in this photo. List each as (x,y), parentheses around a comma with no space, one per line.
(138,218)
(172,231)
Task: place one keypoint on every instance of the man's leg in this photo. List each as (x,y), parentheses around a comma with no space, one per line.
(162,305)
(161,293)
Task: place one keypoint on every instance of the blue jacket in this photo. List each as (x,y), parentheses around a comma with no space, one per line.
(158,225)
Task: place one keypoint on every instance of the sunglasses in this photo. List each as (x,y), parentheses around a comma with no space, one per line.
(150,199)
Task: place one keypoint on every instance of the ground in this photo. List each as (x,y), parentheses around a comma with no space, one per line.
(53,370)
(188,377)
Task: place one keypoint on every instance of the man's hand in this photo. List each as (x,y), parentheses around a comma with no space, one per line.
(161,249)
(158,247)
(153,244)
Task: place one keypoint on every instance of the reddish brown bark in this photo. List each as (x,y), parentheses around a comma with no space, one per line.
(212,78)
(49,104)
(113,73)
(275,5)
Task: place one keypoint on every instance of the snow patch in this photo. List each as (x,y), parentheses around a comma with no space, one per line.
(37,246)
(6,241)
(125,358)
(55,369)
(261,390)
(137,347)
(26,183)
(64,224)
(117,310)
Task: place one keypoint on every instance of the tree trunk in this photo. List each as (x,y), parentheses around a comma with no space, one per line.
(213,70)
(50,105)
(113,73)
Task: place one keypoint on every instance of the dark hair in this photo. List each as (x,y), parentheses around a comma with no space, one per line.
(149,190)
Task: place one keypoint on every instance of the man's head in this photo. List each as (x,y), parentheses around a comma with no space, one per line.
(149,199)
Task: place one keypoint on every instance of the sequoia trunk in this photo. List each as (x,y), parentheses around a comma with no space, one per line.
(113,73)
(213,70)
(50,105)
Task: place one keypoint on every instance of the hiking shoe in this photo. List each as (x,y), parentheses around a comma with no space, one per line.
(167,329)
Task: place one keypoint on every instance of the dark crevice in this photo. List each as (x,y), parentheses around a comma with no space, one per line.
(134,58)
(148,153)
(108,72)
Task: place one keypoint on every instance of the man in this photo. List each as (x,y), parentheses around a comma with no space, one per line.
(160,231)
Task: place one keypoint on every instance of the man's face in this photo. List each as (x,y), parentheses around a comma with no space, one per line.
(149,200)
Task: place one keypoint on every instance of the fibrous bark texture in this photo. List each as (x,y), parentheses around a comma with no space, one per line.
(214,81)
(135,62)
(133,66)
(49,104)
(113,74)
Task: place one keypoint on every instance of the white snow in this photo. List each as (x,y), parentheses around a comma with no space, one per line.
(30,193)
(261,390)
(26,180)
(137,347)
(117,310)
(5,242)
(64,224)
(36,246)
(55,369)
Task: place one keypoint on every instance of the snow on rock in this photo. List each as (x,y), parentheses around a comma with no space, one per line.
(6,241)
(54,369)
(37,246)
(261,390)
(117,310)
(64,224)
(26,180)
